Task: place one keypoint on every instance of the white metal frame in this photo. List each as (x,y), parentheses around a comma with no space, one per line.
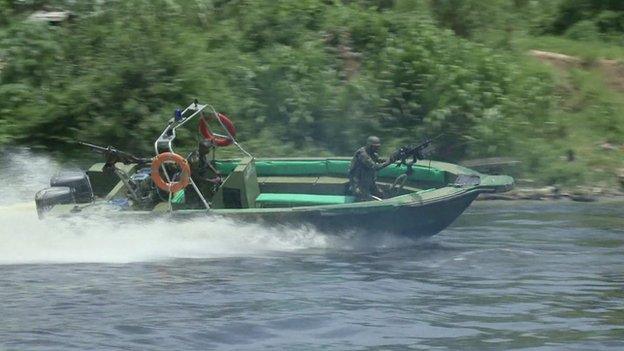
(166,138)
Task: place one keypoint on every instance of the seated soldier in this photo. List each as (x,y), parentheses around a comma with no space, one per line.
(204,174)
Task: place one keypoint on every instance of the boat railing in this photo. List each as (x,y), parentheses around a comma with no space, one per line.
(166,138)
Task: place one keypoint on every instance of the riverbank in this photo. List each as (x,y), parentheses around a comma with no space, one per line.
(549,193)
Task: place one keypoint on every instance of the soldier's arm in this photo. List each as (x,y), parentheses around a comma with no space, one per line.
(368,161)
(377,159)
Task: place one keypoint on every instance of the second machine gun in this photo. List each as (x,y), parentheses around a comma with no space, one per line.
(140,187)
(113,155)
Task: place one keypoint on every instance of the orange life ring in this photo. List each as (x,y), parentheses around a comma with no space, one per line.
(171,187)
(217,139)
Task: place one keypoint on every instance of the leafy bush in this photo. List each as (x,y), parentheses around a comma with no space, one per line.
(583,30)
(607,16)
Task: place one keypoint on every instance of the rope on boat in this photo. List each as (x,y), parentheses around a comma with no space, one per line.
(228,132)
(170,197)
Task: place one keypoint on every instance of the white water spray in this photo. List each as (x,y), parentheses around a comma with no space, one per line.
(25,239)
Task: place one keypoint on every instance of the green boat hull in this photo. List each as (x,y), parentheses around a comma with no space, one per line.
(433,197)
(412,220)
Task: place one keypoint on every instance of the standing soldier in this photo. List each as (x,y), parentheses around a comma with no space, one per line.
(363,171)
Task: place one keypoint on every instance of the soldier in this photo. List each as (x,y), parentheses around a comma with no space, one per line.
(204,174)
(363,171)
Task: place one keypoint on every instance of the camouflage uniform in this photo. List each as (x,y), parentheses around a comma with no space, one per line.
(363,174)
(204,174)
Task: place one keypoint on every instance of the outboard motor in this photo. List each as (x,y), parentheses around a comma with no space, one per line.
(78,182)
(46,199)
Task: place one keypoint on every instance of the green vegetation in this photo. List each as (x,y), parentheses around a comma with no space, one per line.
(315,77)
(588,51)
(590,19)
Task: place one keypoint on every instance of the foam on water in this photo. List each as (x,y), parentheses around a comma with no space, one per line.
(23,173)
(25,239)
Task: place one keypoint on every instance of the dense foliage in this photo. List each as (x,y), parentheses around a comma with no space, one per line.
(297,77)
(306,72)
(591,19)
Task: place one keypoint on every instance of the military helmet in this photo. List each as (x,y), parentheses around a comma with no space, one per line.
(373,140)
(204,147)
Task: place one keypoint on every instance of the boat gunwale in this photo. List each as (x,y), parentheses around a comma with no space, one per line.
(392,203)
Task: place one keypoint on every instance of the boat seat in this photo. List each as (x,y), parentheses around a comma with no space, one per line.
(303,185)
(294,200)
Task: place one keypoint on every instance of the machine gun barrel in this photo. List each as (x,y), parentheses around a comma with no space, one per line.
(113,155)
(424,144)
(96,148)
(415,151)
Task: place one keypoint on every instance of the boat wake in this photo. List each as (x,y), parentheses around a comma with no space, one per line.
(27,240)
(100,240)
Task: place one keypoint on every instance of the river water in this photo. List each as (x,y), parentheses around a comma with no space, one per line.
(505,276)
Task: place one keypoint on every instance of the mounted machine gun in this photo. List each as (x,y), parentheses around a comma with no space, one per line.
(415,152)
(139,187)
(402,156)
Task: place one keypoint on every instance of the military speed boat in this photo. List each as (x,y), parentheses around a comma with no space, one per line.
(423,196)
